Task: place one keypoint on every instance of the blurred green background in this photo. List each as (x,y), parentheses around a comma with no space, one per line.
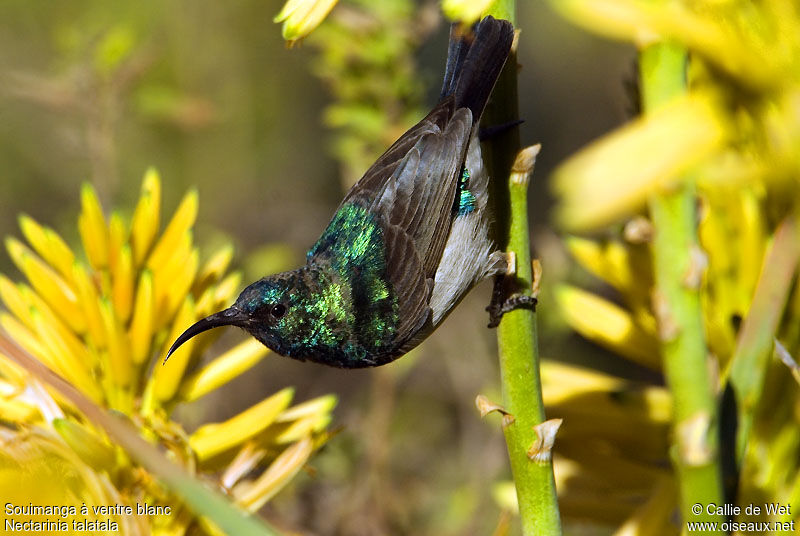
(208,93)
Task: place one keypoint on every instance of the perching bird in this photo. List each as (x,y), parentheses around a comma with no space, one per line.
(408,241)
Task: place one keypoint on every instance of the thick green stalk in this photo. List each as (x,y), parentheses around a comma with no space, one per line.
(678,264)
(517,332)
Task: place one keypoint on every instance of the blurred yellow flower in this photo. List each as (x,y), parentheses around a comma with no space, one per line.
(732,141)
(736,125)
(301,17)
(103,324)
(466,11)
(646,154)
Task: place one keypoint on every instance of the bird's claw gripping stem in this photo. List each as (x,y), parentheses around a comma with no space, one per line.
(500,306)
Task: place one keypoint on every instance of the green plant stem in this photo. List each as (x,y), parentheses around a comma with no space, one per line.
(678,263)
(517,332)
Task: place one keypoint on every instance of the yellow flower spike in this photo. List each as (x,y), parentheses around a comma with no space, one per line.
(173,264)
(69,364)
(141,328)
(48,245)
(212,439)
(13,373)
(68,336)
(181,284)
(27,340)
(17,411)
(608,325)
(227,288)
(213,270)
(562,381)
(175,232)
(7,389)
(169,281)
(145,222)
(718,330)
(466,11)
(613,177)
(60,255)
(602,406)
(320,406)
(122,284)
(298,429)
(206,304)
(244,462)
(119,357)
(89,302)
(48,284)
(164,273)
(34,234)
(223,369)
(658,403)
(14,301)
(117,237)
(87,445)
(167,376)
(644,22)
(73,367)
(280,471)
(626,267)
(715,238)
(609,261)
(301,17)
(752,242)
(92,228)
(321,423)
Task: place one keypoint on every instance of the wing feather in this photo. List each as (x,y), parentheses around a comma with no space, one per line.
(411,190)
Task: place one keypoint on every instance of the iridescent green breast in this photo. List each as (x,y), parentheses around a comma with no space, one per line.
(353,252)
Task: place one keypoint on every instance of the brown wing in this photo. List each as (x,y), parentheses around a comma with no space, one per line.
(411,189)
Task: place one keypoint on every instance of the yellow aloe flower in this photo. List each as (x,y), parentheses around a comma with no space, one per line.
(466,11)
(595,193)
(732,141)
(301,17)
(103,324)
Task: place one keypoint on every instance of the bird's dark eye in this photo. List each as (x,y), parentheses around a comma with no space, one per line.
(278,310)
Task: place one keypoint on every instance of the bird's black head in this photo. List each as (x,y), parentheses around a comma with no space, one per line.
(268,309)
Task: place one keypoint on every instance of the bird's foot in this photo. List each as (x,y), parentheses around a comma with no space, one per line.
(487,133)
(500,306)
(518,301)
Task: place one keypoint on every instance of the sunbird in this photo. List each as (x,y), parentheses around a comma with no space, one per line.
(406,244)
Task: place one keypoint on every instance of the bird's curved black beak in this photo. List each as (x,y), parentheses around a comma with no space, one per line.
(231,316)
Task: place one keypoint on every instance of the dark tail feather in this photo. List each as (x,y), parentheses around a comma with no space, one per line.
(474,61)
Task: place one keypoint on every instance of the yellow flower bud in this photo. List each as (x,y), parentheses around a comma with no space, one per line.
(223,369)
(280,471)
(144,225)
(92,227)
(301,17)
(212,439)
